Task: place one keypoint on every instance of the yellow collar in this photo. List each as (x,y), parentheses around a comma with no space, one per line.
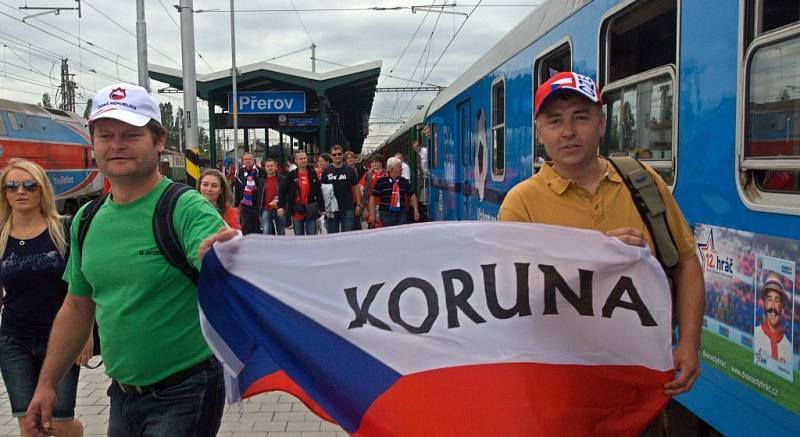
(559,185)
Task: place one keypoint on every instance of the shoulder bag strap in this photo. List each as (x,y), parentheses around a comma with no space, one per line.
(650,205)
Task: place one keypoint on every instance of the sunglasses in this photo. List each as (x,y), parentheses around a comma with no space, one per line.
(13,186)
(336,154)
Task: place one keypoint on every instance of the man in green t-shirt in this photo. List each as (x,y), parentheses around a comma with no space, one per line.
(165,380)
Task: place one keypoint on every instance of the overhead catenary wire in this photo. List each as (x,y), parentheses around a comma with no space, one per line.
(69,34)
(30,66)
(65,40)
(421,57)
(441,55)
(81,67)
(410,41)
(299,18)
(128,31)
(364,9)
(177,26)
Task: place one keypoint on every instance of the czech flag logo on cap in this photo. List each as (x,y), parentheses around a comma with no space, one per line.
(567,81)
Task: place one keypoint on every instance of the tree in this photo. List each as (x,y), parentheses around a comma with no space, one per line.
(46,102)
(204,140)
(88,111)
(168,121)
(177,128)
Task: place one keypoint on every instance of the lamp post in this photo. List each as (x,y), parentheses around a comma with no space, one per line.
(189,75)
(235,99)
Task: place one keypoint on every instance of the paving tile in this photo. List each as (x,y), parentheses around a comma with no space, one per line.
(302,426)
(294,416)
(277,407)
(236,426)
(269,426)
(327,426)
(95,428)
(274,414)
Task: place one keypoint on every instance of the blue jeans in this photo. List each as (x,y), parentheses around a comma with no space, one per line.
(341,221)
(21,361)
(304,227)
(190,408)
(393,218)
(272,223)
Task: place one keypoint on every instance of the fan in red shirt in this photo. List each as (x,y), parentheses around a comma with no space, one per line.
(273,220)
(367,184)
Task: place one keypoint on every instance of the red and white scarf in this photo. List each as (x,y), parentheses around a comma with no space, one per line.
(774,337)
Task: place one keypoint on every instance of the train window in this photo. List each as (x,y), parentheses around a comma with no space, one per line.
(12,121)
(2,126)
(638,55)
(433,149)
(639,121)
(498,128)
(771,146)
(555,60)
(639,39)
(773,14)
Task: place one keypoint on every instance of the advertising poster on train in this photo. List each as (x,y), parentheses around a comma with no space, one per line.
(772,329)
(752,313)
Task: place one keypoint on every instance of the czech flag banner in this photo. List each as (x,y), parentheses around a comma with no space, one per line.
(446,329)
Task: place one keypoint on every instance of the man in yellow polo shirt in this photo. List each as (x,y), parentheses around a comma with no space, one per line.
(580,189)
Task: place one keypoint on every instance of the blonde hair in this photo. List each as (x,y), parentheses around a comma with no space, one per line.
(47,206)
(225,198)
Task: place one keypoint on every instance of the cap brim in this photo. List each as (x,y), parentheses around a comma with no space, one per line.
(122,115)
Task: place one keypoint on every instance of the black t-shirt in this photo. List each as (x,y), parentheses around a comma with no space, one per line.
(342,179)
(34,291)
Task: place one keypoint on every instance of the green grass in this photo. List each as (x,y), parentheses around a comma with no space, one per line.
(742,358)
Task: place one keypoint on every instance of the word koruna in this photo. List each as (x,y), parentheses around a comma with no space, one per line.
(458,302)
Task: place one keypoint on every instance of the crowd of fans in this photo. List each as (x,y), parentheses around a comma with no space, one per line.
(327,193)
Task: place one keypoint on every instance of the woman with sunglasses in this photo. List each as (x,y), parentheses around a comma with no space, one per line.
(33,246)
(216,189)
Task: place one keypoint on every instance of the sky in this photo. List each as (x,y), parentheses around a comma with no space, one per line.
(101,44)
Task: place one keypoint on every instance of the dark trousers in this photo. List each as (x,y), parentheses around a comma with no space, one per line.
(250,219)
(192,407)
(393,218)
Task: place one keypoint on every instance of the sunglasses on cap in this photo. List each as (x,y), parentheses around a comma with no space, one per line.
(13,186)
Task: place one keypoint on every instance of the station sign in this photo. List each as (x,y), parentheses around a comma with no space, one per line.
(269,102)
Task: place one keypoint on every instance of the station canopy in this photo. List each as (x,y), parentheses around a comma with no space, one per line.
(319,109)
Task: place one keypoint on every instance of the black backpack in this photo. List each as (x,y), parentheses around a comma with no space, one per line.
(163,229)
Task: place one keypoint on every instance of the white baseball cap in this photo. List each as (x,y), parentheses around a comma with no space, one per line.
(127,103)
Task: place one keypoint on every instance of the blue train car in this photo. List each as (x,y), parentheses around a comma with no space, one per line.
(708,93)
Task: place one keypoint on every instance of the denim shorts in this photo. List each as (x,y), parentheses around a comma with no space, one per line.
(21,360)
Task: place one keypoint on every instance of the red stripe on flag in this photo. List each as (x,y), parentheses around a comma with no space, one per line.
(280,381)
(521,399)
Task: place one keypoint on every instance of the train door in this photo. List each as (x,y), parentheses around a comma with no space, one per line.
(464,181)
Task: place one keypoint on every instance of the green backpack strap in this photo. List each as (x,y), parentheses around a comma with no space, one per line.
(650,205)
(165,234)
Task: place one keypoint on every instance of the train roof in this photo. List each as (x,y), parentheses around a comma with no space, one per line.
(415,119)
(536,24)
(39,111)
